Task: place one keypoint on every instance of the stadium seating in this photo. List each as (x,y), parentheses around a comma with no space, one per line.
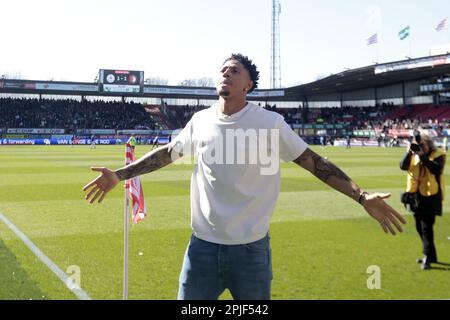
(72,115)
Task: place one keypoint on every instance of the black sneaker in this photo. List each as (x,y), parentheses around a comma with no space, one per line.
(422,260)
(426,266)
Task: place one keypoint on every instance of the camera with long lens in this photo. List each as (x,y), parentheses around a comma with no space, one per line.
(415,146)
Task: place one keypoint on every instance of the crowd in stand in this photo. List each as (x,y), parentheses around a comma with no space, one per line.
(72,114)
(381,117)
(180,115)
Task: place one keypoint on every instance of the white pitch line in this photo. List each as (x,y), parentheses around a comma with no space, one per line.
(80,293)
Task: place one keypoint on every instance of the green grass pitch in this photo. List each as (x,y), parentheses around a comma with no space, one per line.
(322,242)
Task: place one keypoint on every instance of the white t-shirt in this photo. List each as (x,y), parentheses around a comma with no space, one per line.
(236,178)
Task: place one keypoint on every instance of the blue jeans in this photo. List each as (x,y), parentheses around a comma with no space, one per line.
(210,268)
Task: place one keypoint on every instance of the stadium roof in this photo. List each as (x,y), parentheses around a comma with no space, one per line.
(374,76)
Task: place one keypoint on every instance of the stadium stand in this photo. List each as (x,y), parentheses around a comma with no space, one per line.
(337,106)
(72,114)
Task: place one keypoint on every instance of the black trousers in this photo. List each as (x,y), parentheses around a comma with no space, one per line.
(424,226)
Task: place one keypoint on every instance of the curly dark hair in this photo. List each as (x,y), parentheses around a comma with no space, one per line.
(249,66)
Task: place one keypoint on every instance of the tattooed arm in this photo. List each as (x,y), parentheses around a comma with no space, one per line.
(338,180)
(330,174)
(154,160)
(108,179)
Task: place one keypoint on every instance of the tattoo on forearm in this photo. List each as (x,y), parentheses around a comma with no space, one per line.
(148,163)
(325,171)
(322,168)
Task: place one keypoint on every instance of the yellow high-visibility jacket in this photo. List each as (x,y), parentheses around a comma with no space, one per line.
(420,178)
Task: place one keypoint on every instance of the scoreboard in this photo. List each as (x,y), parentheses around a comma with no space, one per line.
(121,81)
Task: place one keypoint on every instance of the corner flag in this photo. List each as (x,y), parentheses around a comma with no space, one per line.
(139,210)
(133,188)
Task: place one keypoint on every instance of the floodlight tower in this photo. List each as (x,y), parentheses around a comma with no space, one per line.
(275,70)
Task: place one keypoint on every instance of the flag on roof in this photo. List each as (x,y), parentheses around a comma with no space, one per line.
(443,25)
(372,40)
(404,33)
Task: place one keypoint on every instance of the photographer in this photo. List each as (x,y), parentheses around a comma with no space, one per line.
(425,190)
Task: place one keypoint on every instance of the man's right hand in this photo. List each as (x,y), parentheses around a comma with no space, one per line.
(101,185)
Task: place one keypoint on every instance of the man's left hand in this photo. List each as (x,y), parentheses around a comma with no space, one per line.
(382,212)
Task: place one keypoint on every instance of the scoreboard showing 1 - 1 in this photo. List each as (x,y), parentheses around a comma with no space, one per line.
(121,81)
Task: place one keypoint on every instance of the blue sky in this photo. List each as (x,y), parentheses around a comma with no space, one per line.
(174,39)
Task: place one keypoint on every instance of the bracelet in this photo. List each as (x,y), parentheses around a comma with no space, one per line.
(361,196)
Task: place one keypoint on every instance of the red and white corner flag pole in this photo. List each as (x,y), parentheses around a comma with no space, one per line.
(125,247)
(133,189)
(125,227)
